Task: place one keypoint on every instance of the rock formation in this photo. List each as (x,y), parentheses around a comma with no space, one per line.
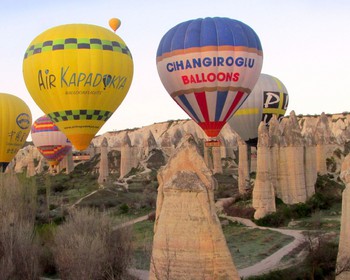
(323,136)
(128,156)
(338,125)
(69,162)
(275,138)
(30,168)
(177,137)
(343,259)
(217,169)
(293,159)
(149,144)
(208,157)
(103,170)
(243,167)
(188,240)
(41,165)
(310,164)
(166,144)
(91,149)
(263,191)
(212,157)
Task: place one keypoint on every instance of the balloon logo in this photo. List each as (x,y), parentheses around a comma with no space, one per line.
(107,80)
(114,23)
(269,97)
(23,120)
(78,74)
(49,140)
(15,122)
(209,67)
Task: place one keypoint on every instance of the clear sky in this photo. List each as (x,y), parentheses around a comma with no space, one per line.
(305,42)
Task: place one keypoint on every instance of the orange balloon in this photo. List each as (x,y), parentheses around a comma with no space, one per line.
(114,23)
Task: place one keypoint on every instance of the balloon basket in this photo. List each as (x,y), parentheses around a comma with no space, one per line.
(213,143)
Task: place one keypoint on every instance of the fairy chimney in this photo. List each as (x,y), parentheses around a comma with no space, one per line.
(128,156)
(188,240)
(293,157)
(275,139)
(212,157)
(103,170)
(30,168)
(310,163)
(149,144)
(323,136)
(70,162)
(343,259)
(67,162)
(243,166)
(263,191)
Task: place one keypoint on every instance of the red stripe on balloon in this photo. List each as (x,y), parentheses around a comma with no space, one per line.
(234,104)
(202,102)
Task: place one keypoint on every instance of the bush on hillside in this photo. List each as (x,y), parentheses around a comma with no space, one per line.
(86,247)
(19,251)
(327,192)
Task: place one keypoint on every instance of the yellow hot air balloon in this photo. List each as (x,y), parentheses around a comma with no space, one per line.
(114,23)
(78,74)
(15,124)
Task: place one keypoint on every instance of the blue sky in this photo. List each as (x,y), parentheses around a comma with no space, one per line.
(305,43)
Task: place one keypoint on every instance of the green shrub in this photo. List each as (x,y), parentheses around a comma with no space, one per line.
(124,208)
(319,202)
(300,210)
(276,219)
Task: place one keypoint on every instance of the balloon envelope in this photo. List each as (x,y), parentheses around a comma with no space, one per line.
(114,23)
(49,140)
(15,122)
(78,74)
(269,97)
(209,66)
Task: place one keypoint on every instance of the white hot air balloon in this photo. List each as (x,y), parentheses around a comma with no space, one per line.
(269,97)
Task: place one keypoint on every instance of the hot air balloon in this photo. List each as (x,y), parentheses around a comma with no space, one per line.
(269,97)
(209,67)
(50,141)
(78,74)
(114,23)
(15,122)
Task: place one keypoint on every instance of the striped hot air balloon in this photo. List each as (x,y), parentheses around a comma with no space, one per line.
(269,97)
(209,67)
(50,141)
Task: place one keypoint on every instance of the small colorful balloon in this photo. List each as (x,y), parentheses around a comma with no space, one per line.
(114,23)
(50,141)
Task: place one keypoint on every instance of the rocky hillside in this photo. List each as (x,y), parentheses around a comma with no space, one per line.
(166,136)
